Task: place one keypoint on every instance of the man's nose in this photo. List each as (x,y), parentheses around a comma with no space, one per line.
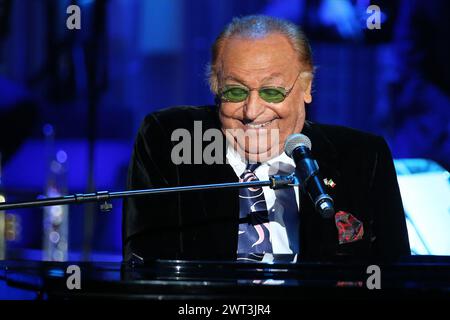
(253,107)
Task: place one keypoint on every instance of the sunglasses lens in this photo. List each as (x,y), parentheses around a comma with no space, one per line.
(234,94)
(273,95)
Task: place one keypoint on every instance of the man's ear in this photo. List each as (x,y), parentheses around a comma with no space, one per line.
(307,97)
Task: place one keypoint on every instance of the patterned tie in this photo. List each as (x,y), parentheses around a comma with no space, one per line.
(254,232)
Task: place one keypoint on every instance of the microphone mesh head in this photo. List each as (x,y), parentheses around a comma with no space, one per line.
(295,140)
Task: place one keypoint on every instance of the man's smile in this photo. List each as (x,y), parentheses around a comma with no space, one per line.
(257,124)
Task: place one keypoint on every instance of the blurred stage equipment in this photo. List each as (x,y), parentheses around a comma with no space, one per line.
(10,226)
(56,218)
(95,59)
(76,67)
(2,217)
(425,190)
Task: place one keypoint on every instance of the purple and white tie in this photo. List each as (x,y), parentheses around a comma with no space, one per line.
(254,231)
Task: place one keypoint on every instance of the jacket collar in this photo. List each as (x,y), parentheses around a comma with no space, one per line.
(323,150)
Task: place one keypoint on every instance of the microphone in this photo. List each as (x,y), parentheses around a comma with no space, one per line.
(298,147)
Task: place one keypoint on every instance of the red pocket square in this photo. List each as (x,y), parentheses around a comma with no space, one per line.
(350,229)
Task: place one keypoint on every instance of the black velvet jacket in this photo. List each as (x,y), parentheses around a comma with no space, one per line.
(203,224)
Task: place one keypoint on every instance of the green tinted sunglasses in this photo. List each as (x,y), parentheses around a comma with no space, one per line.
(237,93)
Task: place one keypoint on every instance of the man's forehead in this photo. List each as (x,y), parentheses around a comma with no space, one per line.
(237,77)
(272,56)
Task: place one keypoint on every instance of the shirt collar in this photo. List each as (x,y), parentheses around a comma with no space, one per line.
(237,160)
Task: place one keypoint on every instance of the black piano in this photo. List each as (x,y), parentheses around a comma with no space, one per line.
(421,277)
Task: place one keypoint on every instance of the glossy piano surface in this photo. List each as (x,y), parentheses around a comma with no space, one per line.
(174,279)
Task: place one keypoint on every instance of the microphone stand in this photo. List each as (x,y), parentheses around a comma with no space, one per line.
(274,182)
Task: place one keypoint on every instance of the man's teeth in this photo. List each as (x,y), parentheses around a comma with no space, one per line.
(259,125)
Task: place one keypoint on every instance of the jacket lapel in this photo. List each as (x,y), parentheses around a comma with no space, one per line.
(318,236)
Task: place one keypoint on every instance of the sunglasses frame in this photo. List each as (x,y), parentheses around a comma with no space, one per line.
(285,93)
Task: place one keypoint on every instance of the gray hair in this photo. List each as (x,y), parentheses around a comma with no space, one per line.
(257,27)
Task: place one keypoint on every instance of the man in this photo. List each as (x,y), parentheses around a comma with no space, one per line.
(261,74)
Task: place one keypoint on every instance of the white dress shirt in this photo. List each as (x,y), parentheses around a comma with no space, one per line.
(283,204)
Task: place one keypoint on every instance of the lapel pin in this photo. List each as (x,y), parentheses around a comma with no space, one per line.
(329,182)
